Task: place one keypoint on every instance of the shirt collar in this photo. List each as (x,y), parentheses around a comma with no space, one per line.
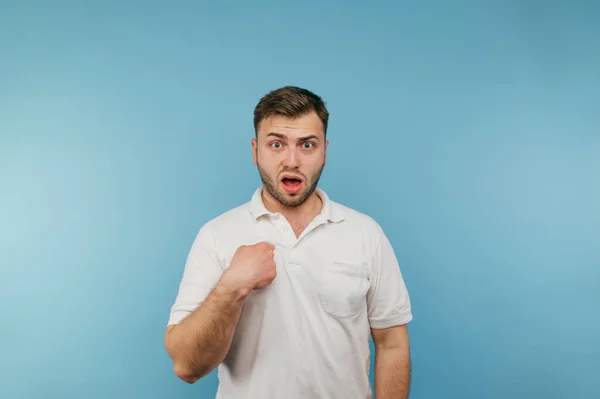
(330,210)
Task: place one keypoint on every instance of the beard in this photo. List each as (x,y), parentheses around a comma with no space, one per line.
(290,200)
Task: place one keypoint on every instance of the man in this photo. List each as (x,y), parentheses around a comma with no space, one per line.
(281,293)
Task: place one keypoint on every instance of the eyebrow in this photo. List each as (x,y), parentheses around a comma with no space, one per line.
(283,136)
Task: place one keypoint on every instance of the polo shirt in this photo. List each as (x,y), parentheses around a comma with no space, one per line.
(306,335)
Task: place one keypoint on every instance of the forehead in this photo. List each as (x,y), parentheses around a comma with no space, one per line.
(308,124)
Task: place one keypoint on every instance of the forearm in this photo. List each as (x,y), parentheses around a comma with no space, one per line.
(200,342)
(392,373)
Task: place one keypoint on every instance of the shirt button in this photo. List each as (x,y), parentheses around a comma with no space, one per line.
(285,229)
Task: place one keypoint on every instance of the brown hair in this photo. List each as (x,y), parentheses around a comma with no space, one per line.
(291,102)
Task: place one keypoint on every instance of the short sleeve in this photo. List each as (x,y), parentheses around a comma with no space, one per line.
(387,299)
(201,273)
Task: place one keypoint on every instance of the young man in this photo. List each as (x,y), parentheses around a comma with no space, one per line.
(282,293)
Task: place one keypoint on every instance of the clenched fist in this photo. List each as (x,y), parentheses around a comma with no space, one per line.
(252,267)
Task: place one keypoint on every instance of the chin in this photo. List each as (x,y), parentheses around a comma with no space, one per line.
(293,200)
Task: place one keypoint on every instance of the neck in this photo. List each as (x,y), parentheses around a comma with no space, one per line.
(307,211)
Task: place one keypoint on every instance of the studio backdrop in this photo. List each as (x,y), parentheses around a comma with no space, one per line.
(469,130)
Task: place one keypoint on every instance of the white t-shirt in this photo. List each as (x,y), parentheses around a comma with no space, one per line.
(306,335)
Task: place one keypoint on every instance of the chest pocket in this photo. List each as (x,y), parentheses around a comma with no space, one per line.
(343,289)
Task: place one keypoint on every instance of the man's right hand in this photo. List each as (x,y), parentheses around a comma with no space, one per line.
(252,267)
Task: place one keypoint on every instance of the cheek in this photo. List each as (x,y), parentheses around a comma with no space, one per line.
(267,161)
(315,162)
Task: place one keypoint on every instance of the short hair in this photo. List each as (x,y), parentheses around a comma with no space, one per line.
(291,102)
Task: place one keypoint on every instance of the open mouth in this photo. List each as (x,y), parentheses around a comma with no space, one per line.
(291,184)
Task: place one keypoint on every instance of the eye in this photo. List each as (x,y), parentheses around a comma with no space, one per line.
(307,145)
(276,144)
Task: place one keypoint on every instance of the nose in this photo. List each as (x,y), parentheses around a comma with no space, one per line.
(291,158)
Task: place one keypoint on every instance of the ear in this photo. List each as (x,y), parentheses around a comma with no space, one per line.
(325,156)
(254,151)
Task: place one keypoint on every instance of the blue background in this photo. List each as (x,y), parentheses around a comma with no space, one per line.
(470,130)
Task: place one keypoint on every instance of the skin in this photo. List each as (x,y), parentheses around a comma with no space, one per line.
(392,362)
(199,343)
(294,146)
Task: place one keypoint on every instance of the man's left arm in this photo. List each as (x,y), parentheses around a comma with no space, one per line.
(392,362)
(389,311)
